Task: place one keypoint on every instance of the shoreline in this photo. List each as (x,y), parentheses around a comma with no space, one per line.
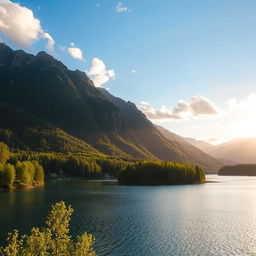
(21,187)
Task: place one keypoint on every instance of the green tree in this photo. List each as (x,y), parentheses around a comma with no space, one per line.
(22,173)
(83,246)
(14,245)
(38,242)
(58,223)
(31,170)
(39,173)
(7,175)
(4,153)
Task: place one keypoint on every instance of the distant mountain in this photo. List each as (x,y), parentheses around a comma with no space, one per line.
(190,149)
(171,135)
(67,104)
(204,146)
(241,151)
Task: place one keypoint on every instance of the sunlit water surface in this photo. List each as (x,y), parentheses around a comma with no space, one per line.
(209,219)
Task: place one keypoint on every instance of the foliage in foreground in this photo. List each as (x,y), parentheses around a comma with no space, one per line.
(161,173)
(52,240)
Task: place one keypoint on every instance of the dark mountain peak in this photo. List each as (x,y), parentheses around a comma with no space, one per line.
(3,46)
(6,54)
(20,58)
(46,61)
(44,54)
(20,52)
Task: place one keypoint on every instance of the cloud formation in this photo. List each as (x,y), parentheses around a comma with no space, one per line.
(75,52)
(20,26)
(51,42)
(194,107)
(99,74)
(120,7)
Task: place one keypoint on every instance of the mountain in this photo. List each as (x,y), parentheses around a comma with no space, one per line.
(52,95)
(171,135)
(24,131)
(204,146)
(44,87)
(190,149)
(241,151)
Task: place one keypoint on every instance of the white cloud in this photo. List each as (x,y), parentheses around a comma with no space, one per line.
(75,52)
(99,74)
(235,120)
(134,71)
(194,107)
(51,42)
(120,7)
(20,26)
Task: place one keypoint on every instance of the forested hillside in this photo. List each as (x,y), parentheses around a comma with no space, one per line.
(51,108)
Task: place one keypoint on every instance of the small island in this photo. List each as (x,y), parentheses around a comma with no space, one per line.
(161,173)
(238,170)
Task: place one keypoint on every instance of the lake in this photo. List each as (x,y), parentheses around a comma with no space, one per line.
(208,219)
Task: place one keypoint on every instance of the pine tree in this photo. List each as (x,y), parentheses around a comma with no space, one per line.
(4,153)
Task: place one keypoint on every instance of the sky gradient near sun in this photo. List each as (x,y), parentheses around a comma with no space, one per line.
(189,65)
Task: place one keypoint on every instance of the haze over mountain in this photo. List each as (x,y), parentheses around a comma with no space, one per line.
(207,148)
(194,152)
(204,146)
(200,144)
(43,90)
(237,151)
(241,151)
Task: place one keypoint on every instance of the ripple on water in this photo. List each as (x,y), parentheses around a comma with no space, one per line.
(206,220)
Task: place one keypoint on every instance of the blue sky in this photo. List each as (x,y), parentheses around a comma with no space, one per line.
(178,48)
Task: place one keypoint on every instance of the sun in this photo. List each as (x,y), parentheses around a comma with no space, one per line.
(246,120)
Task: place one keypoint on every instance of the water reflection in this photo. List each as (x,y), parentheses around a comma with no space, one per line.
(210,219)
(22,197)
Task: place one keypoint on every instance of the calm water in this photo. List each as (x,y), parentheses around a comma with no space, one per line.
(210,219)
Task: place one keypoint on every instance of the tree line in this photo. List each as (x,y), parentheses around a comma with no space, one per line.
(238,170)
(29,168)
(73,165)
(21,174)
(161,173)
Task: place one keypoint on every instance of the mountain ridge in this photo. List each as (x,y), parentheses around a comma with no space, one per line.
(45,88)
(238,151)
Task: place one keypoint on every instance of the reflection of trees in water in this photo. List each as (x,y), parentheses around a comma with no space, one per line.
(23,197)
